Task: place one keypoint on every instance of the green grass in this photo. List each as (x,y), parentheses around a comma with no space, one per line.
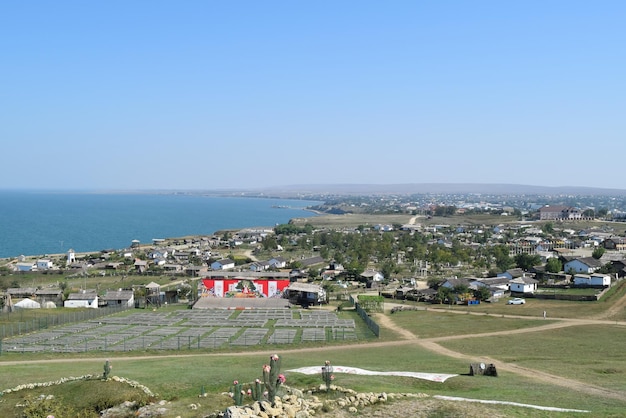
(592,354)
(180,379)
(429,324)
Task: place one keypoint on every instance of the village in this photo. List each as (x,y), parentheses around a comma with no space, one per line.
(423,260)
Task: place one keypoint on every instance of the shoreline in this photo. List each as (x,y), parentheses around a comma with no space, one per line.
(93,226)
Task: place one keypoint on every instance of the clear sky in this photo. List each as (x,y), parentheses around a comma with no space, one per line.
(122,94)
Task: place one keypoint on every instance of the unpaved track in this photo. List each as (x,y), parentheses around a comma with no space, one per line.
(432,345)
(408,338)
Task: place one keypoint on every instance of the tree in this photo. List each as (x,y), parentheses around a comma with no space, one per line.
(482,293)
(501,255)
(548,228)
(598,253)
(554,265)
(527,261)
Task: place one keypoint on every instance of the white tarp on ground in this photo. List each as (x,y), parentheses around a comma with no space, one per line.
(523,405)
(433,377)
(27,304)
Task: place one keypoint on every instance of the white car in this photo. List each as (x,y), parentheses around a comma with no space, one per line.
(516,301)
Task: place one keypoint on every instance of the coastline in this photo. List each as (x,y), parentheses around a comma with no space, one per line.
(90,223)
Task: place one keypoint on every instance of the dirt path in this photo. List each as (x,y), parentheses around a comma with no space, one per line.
(614,310)
(432,345)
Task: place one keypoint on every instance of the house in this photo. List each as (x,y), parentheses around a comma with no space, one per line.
(223,264)
(615,244)
(44,264)
(512,273)
(454,283)
(21,292)
(372,275)
(559,212)
(586,265)
(173,268)
(26,266)
(523,285)
(308,262)
(53,295)
(159,253)
(141,266)
(82,299)
(277,262)
(619,266)
(119,298)
(501,283)
(259,266)
(594,279)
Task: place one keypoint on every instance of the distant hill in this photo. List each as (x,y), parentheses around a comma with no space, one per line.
(438,188)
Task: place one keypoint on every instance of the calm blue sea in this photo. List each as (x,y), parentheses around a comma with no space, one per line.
(37,223)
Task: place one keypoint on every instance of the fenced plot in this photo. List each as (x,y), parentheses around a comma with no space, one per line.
(282,336)
(186,330)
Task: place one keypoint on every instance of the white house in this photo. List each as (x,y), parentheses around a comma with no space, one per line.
(223,264)
(83,299)
(586,265)
(373,275)
(44,264)
(523,285)
(25,266)
(501,283)
(594,279)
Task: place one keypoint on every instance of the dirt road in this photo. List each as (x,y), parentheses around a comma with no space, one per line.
(432,344)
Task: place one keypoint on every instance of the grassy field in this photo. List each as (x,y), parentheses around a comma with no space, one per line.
(429,324)
(593,354)
(181,379)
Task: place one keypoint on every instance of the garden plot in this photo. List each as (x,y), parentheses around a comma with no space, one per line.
(250,336)
(218,338)
(140,342)
(313,334)
(188,329)
(268,314)
(282,336)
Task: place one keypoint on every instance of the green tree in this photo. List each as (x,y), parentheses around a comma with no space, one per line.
(554,265)
(482,293)
(501,255)
(548,228)
(527,261)
(598,253)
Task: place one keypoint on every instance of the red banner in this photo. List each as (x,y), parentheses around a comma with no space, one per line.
(242,288)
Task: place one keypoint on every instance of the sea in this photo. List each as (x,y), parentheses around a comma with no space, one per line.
(40,223)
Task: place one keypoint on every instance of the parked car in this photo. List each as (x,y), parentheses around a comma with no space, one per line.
(516,301)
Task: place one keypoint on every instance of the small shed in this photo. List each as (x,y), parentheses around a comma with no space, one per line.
(305,294)
(119,298)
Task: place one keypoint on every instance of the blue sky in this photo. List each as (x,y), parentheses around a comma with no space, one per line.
(248,94)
